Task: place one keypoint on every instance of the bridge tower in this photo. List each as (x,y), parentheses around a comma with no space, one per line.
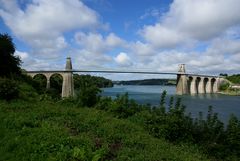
(68,85)
(182,81)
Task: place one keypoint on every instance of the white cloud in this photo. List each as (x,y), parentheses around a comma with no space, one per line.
(23,55)
(161,36)
(47,18)
(84,59)
(123,59)
(192,20)
(42,23)
(142,49)
(113,41)
(95,42)
(204,19)
(224,46)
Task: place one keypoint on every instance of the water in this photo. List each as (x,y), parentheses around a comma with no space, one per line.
(222,104)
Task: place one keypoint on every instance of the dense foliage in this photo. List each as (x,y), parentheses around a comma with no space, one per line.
(8,89)
(173,124)
(100,82)
(224,86)
(87,92)
(148,82)
(9,64)
(234,78)
(42,130)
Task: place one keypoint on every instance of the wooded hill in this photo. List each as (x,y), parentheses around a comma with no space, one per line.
(147,82)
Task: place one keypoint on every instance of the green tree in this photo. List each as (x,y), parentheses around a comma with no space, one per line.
(9,64)
(9,89)
(88,91)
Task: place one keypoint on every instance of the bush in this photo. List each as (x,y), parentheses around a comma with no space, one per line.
(224,86)
(124,107)
(9,89)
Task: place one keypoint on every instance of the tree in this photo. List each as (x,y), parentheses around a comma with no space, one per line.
(88,92)
(9,64)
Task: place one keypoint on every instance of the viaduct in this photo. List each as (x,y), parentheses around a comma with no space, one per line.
(186,83)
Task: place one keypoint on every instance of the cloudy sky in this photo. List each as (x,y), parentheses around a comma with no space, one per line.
(144,35)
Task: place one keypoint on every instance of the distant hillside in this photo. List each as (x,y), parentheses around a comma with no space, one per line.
(147,82)
(234,78)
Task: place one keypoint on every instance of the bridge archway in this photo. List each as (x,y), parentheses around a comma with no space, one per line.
(213,81)
(41,80)
(56,81)
(198,85)
(205,84)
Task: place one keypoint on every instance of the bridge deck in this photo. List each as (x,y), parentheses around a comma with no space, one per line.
(114,71)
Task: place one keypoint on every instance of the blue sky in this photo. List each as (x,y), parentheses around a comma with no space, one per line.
(147,35)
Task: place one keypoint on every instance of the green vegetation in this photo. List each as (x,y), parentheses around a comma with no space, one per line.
(9,64)
(233,86)
(100,82)
(234,78)
(224,86)
(120,129)
(147,82)
(42,130)
(36,126)
(8,89)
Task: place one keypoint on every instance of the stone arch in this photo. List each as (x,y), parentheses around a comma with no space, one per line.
(56,81)
(42,79)
(190,78)
(205,83)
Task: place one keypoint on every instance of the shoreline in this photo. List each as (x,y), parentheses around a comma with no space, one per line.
(229,93)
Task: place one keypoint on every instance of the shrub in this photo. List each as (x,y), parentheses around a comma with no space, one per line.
(8,89)
(124,107)
(224,86)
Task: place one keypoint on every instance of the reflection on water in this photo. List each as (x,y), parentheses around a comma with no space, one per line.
(222,104)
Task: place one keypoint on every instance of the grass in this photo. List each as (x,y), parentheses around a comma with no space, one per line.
(42,130)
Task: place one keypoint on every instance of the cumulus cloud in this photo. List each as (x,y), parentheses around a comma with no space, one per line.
(142,49)
(224,46)
(192,20)
(47,18)
(23,55)
(95,42)
(123,59)
(94,49)
(42,23)
(87,60)
(161,36)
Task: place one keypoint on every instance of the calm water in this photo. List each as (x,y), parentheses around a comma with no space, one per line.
(222,104)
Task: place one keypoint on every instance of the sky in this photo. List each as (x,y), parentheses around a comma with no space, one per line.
(136,35)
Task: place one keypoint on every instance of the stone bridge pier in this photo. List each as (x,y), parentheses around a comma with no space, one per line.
(195,84)
(67,75)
